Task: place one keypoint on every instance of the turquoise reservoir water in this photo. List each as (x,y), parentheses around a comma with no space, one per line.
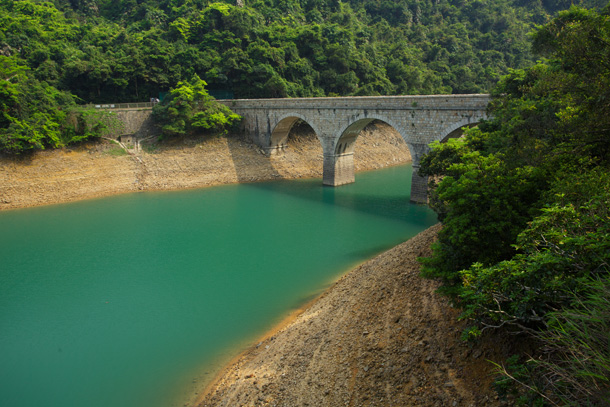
(117,302)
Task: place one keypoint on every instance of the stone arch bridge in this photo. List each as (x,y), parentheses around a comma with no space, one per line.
(337,121)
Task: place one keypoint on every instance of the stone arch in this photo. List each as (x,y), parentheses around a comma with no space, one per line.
(339,166)
(346,142)
(281,130)
(450,130)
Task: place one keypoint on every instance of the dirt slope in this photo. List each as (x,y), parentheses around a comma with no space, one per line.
(101,169)
(380,336)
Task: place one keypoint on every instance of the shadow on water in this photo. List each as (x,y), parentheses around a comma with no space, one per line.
(369,195)
(366,195)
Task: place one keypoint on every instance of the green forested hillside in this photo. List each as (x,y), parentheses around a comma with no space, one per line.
(127,50)
(92,51)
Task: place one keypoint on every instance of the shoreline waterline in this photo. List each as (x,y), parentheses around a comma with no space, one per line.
(194,396)
(204,387)
(93,170)
(133,283)
(380,335)
(180,188)
(136,202)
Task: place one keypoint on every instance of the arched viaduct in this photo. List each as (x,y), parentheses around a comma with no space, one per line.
(337,122)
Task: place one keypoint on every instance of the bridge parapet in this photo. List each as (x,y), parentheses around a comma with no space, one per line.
(417,102)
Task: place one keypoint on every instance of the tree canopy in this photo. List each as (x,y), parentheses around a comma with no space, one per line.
(60,53)
(189,109)
(36,115)
(123,50)
(525,204)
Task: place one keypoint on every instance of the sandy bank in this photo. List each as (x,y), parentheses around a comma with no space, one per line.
(380,336)
(102,169)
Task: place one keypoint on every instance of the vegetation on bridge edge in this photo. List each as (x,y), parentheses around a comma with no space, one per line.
(189,109)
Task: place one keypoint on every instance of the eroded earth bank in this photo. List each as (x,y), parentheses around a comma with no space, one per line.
(101,169)
(380,336)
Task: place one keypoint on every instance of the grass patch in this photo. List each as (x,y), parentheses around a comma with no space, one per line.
(116,151)
(150,148)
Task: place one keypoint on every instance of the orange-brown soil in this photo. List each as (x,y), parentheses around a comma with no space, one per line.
(103,168)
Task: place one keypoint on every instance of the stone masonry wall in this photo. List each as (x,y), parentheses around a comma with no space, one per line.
(420,120)
(134,121)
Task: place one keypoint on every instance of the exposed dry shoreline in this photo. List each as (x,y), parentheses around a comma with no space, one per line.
(99,169)
(379,337)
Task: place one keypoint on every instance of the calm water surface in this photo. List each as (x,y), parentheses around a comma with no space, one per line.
(118,302)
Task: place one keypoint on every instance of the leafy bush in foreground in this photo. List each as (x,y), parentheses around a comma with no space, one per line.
(525,204)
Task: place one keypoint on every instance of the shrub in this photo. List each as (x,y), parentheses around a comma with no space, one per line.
(189,109)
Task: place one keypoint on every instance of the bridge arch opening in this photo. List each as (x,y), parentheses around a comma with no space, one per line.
(366,144)
(298,150)
(373,140)
(279,134)
(287,126)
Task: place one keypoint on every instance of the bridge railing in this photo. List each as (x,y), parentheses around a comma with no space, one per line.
(137,105)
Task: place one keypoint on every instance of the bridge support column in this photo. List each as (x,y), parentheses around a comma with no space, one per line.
(338,169)
(419,187)
(419,183)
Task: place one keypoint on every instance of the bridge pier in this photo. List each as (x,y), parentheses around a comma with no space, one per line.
(419,183)
(419,187)
(338,169)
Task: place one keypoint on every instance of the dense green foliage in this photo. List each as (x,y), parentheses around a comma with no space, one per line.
(525,203)
(123,50)
(36,115)
(104,51)
(189,109)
